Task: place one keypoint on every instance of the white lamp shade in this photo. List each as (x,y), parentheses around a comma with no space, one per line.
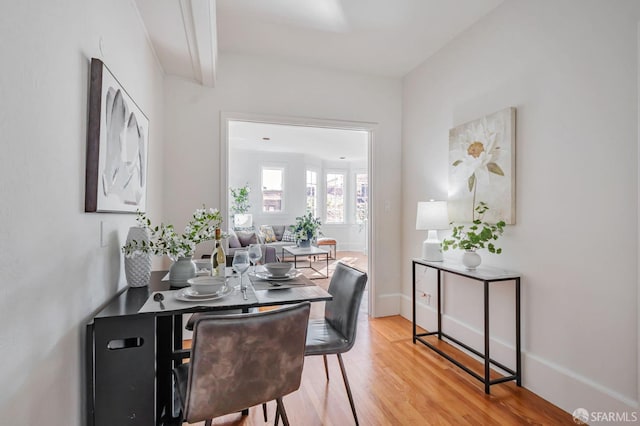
(432,215)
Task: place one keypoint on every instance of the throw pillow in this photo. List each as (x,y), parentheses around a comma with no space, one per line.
(260,235)
(279,231)
(268,234)
(247,238)
(289,236)
(234,242)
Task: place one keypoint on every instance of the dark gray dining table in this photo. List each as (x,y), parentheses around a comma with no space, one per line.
(134,342)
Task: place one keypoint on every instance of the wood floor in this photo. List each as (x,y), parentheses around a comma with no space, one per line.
(355,259)
(395,382)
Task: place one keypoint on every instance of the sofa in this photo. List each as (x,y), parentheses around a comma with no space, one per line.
(271,243)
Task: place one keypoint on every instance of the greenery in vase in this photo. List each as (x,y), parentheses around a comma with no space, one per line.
(240,199)
(163,239)
(306,227)
(477,235)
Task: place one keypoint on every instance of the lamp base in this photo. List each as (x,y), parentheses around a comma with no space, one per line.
(432,251)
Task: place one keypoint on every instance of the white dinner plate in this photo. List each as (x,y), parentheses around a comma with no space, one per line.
(187,294)
(267,276)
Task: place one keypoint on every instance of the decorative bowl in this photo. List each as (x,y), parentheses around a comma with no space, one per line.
(207,285)
(278,269)
(203,264)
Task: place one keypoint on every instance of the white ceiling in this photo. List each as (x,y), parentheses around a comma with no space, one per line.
(380,37)
(323,143)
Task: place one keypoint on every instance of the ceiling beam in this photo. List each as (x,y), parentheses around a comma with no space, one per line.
(199,19)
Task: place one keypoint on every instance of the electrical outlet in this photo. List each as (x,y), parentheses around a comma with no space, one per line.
(428,297)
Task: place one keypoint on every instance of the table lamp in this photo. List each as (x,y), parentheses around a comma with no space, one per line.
(432,216)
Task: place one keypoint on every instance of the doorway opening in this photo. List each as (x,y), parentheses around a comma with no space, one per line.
(292,167)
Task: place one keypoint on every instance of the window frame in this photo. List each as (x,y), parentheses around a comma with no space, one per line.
(317,192)
(344,174)
(283,169)
(355,196)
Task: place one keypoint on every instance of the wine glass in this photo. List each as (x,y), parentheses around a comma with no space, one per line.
(255,253)
(240,263)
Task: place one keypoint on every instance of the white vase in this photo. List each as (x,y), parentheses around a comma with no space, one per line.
(242,220)
(181,270)
(137,268)
(471,260)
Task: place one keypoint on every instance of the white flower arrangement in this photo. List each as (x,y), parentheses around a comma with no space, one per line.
(164,240)
(306,227)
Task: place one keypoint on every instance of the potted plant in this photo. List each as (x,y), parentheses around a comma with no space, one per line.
(476,236)
(163,239)
(306,229)
(240,206)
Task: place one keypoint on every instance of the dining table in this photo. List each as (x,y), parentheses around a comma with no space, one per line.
(136,339)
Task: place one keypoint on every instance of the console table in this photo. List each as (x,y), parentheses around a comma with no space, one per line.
(486,275)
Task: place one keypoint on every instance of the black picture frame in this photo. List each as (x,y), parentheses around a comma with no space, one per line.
(117,147)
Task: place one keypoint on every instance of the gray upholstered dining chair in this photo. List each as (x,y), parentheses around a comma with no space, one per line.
(336,332)
(233,363)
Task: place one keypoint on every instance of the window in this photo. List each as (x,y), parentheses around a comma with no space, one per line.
(272,189)
(362,197)
(312,193)
(335,198)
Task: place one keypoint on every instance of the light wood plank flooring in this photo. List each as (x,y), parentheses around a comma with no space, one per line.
(395,382)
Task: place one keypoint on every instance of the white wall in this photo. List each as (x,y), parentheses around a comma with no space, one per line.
(247,168)
(570,68)
(259,86)
(54,272)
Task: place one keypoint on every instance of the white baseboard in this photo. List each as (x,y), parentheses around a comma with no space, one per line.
(557,384)
(569,390)
(350,247)
(387,305)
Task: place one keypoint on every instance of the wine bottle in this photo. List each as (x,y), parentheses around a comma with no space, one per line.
(214,259)
(221,258)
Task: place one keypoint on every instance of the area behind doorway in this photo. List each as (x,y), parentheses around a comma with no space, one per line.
(293,169)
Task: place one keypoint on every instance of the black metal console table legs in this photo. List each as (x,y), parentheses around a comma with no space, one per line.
(479,276)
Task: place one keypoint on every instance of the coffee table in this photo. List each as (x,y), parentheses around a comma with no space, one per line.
(296,252)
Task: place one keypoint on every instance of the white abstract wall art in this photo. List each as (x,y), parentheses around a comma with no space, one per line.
(482,168)
(117,145)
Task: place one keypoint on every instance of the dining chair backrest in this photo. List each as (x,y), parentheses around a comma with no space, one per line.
(238,361)
(346,286)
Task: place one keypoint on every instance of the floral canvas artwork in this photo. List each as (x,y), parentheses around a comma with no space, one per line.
(481,168)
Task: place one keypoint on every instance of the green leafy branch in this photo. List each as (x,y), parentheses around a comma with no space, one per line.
(476,236)
(240,199)
(163,239)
